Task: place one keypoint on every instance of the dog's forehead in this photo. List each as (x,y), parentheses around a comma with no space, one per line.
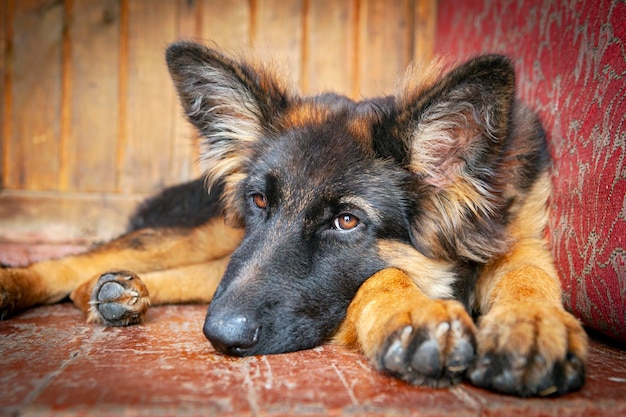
(324,149)
(324,164)
(335,114)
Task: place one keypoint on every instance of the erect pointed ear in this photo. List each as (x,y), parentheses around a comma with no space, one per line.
(454,134)
(232,103)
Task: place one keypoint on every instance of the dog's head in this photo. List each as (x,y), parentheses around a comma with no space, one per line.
(330,190)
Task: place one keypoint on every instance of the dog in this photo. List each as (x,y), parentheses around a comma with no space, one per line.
(409,227)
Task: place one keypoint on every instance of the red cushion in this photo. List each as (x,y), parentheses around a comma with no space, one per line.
(571,63)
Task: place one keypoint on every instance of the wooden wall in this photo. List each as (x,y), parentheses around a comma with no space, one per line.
(90,121)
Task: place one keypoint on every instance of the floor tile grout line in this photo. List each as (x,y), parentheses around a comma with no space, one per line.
(49,378)
(249,384)
(343,381)
(83,350)
(468,399)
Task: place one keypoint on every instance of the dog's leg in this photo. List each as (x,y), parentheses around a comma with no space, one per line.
(407,334)
(120,298)
(527,343)
(141,251)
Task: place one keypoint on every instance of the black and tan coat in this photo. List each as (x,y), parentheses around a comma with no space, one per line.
(385,225)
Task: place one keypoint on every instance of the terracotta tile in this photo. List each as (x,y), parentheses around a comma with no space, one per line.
(34,348)
(164,363)
(54,364)
(603,393)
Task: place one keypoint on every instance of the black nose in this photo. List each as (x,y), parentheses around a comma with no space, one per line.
(233,335)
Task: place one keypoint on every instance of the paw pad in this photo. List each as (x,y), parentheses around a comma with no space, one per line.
(119,298)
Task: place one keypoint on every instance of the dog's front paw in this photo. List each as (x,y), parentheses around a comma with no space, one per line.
(119,298)
(432,345)
(530,350)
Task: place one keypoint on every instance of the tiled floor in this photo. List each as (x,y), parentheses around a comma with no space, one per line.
(52,363)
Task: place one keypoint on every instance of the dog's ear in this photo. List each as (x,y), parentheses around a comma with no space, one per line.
(232,103)
(453,134)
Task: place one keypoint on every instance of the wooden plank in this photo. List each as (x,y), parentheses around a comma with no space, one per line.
(32,149)
(222,23)
(4,35)
(40,216)
(385,44)
(189,19)
(18,254)
(227,23)
(184,154)
(330,44)
(92,96)
(424,32)
(144,152)
(278,32)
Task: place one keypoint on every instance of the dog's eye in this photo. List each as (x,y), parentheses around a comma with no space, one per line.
(345,222)
(259,200)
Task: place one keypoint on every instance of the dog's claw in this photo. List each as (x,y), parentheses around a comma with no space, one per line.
(536,368)
(394,357)
(437,357)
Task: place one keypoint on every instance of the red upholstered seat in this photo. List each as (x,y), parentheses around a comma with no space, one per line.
(571,60)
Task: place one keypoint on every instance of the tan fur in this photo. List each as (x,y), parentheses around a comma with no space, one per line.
(404,317)
(303,114)
(418,77)
(389,305)
(361,130)
(528,252)
(193,283)
(434,278)
(141,252)
(518,296)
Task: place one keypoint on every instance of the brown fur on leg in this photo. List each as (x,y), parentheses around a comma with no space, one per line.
(141,251)
(120,298)
(19,289)
(527,343)
(405,333)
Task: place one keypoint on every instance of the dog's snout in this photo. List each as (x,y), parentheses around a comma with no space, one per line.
(232,335)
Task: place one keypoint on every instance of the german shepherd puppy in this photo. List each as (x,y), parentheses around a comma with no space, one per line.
(383,225)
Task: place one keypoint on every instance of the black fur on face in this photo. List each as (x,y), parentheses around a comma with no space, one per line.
(330,191)
(297,270)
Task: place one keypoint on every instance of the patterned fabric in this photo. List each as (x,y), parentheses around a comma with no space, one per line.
(571,62)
